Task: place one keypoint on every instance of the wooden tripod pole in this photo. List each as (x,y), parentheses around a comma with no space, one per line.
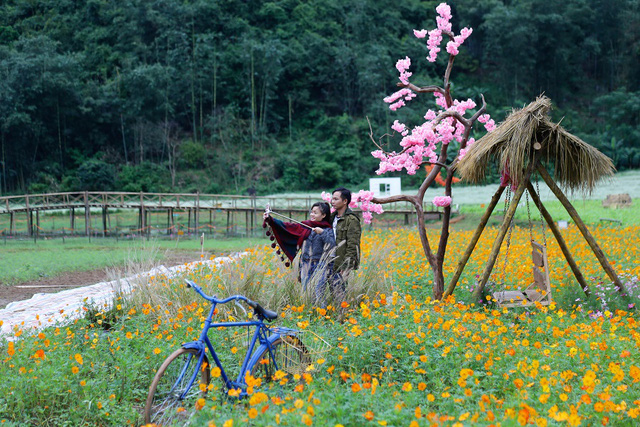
(583,228)
(472,244)
(563,245)
(508,216)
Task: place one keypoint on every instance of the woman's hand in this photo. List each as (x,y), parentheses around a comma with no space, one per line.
(318,230)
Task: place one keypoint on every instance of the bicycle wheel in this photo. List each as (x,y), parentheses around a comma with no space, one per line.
(290,355)
(164,405)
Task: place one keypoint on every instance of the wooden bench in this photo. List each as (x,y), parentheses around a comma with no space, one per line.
(537,292)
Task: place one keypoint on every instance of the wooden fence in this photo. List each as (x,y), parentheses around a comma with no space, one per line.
(90,213)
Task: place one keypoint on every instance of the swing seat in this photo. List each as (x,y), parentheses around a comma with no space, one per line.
(539,292)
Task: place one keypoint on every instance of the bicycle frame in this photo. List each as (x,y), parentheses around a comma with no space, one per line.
(263,334)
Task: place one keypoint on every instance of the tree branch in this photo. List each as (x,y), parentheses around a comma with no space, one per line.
(425,89)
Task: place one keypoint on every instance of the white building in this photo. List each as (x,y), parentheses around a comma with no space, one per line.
(384,187)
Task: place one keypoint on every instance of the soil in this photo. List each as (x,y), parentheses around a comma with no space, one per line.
(73,279)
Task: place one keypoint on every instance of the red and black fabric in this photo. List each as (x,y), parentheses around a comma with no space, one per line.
(290,235)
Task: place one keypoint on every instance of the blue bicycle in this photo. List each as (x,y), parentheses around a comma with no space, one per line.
(184,376)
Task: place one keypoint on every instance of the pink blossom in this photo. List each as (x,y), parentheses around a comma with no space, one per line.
(462,153)
(452,47)
(490,125)
(466,32)
(444,10)
(435,37)
(420,34)
(440,100)
(442,201)
(403,64)
(367,216)
(430,115)
(443,24)
(396,105)
(400,128)
(406,93)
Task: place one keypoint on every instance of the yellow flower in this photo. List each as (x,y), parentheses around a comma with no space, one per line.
(78,358)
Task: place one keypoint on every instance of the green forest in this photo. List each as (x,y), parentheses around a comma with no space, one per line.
(226,96)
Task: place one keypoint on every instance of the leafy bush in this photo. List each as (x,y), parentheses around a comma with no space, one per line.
(147,177)
(95,175)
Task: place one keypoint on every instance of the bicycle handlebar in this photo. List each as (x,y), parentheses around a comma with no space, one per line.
(261,311)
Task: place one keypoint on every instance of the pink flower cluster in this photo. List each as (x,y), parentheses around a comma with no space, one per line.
(397,99)
(453,45)
(433,43)
(361,200)
(442,201)
(402,66)
(443,21)
(489,124)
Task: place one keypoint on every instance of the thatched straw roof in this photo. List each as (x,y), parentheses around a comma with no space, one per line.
(576,164)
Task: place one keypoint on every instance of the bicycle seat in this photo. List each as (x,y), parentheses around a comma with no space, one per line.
(262,312)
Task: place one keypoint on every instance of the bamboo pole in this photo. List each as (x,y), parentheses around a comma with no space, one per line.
(508,216)
(474,240)
(563,245)
(583,228)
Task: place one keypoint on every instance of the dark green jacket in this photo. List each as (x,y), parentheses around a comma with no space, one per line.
(348,231)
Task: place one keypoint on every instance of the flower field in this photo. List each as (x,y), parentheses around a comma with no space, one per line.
(398,358)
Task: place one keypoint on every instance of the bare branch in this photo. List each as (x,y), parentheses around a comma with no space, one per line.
(454,114)
(396,198)
(480,111)
(372,138)
(425,89)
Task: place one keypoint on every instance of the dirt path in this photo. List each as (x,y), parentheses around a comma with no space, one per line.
(73,279)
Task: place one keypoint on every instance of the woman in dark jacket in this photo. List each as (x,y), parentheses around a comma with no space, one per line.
(318,246)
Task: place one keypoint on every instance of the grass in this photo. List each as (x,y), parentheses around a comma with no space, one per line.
(28,260)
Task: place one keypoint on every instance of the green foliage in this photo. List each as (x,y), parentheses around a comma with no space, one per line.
(193,154)
(146,177)
(95,175)
(274,95)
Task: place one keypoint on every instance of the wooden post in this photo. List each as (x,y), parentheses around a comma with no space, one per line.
(143,215)
(563,245)
(508,216)
(11,223)
(210,222)
(87,214)
(37,224)
(246,222)
(29,217)
(170,221)
(474,240)
(104,221)
(228,214)
(188,220)
(583,229)
(72,220)
(196,213)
